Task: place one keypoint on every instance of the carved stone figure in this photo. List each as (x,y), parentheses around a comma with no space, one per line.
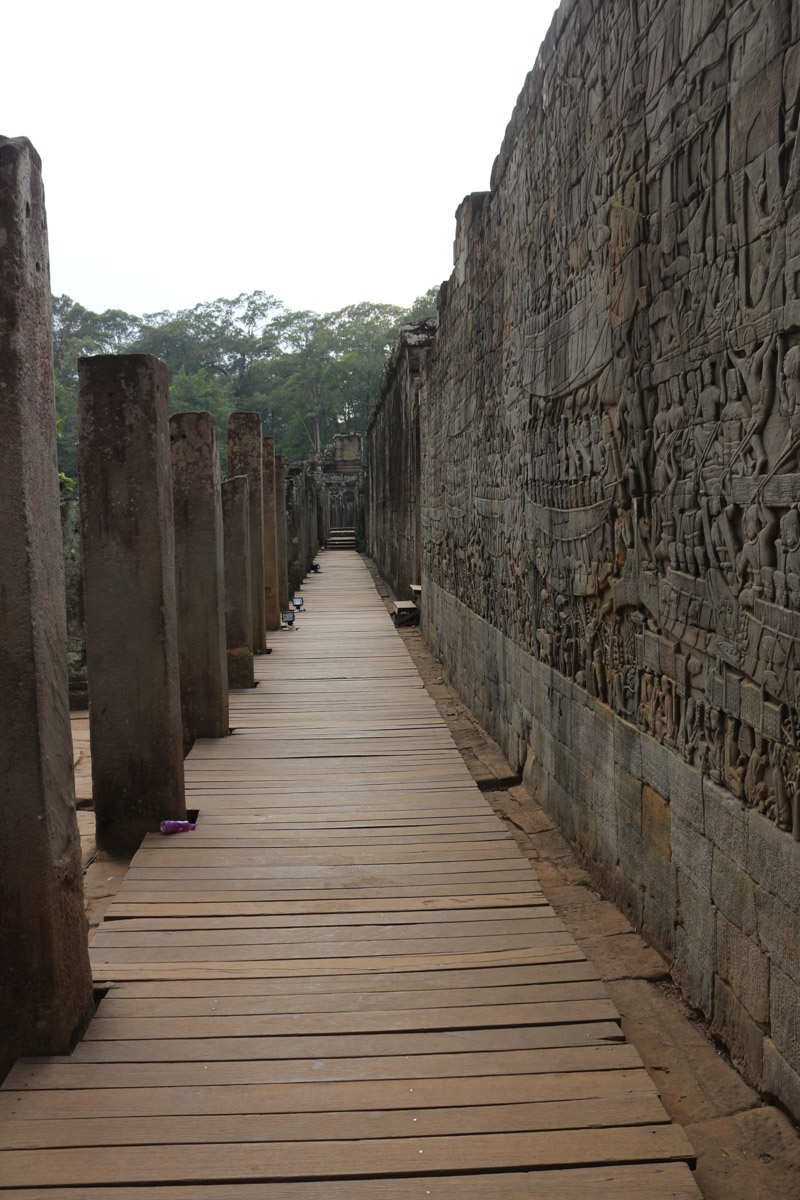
(756,562)
(735,759)
(787,575)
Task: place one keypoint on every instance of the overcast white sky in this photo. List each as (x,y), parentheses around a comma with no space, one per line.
(315,150)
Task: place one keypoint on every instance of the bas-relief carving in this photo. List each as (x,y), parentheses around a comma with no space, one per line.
(613,433)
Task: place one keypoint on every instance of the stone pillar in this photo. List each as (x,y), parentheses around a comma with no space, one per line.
(294,520)
(324,532)
(129,597)
(45,979)
(280,522)
(238,592)
(73,578)
(245,458)
(272,607)
(199,575)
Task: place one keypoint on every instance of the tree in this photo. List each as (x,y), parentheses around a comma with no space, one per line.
(200,392)
(332,369)
(223,337)
(309,375)
(425,306)
(77,331)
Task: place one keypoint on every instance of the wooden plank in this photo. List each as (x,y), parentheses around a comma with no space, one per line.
(411,719)
(240,753)
(238,823)
(102,1165)
(176,909)
(638,1109)
(258,934)
(395,796)
(365,871)
(343,1045)
(46,1074)
(460,918)
(658,1181)
(238,839)
(327,892)
(243,746)
(561,1012)
(171,857)
(362,887)
(104,970)
(274,951)
(436,980)
(116,1004)
(361,1095)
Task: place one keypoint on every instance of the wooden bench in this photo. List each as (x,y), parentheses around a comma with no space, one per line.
(416,592)
(405,612)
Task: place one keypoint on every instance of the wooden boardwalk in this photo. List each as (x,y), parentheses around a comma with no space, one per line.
(346,984)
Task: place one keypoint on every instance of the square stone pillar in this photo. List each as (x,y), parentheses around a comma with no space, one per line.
(245,458)
(129,597)
(280,522)
(73,578)
(238,591)
(199,575)
(272,606)
(45,979)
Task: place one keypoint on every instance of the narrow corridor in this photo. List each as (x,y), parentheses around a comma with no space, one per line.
(346,982)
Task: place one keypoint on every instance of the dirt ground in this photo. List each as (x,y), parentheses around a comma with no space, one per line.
(746,1149)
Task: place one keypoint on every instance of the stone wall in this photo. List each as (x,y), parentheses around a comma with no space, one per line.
(393,516)
(610,450)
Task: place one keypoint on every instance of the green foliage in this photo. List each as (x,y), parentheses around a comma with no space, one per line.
(200,392)
(78,332)
(425,306)
(66,484)
(224,337)
(310,376)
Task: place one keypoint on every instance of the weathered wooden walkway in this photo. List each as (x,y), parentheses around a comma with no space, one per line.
(346,983)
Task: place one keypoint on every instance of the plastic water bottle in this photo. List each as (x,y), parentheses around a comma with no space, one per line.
(176,826)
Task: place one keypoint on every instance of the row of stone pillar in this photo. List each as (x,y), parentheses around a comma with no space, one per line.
(306,523)
(180,574)
(183,574)
(162,617)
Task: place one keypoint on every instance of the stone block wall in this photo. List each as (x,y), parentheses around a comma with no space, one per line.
(393,513)
(610,478)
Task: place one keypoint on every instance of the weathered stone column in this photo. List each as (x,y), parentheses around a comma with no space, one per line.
(199,575)
(294,520)
(272,607)
(129,597)
(245,458)
(45,980)
(238,591)
(280,522)
(73,579)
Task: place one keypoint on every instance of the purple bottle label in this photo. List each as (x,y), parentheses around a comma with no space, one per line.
(176,826)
